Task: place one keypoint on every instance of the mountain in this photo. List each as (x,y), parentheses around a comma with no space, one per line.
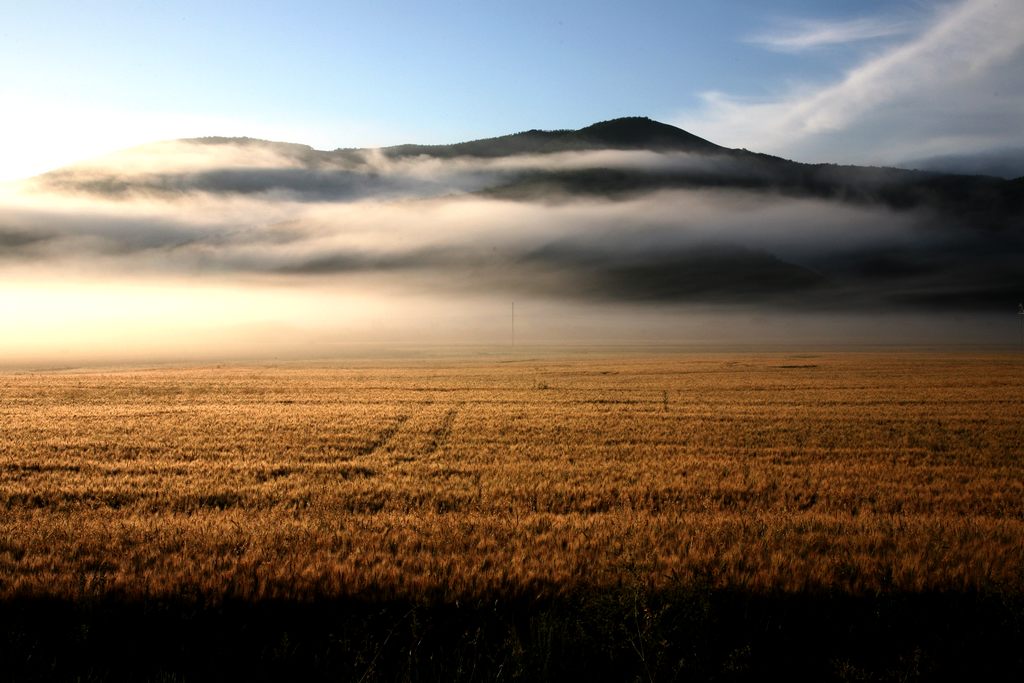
(628,209)
(630,133)
(350,173)
(982,198)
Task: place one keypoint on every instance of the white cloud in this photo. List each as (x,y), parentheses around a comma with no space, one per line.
(806,35)
(957,86)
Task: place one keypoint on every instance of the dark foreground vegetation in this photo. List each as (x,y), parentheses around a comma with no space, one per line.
(691,634)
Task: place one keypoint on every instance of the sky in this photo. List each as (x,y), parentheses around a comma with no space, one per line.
(117,247)
(865,81)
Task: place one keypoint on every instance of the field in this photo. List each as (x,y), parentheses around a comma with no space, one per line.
(648,515)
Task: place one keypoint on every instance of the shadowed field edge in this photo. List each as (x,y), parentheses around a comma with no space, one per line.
(627,634)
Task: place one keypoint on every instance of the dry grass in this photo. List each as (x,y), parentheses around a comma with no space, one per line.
(842,472)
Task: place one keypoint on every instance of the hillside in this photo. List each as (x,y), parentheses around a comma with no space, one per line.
(623,210)
(689,162)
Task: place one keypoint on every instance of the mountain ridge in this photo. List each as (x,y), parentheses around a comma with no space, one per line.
(625,133)
(622,133)
(741,168)
(633,209)
(687,162)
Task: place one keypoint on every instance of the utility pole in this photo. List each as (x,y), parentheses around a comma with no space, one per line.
(513,343)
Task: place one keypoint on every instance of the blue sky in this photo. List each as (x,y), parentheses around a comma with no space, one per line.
(82,78)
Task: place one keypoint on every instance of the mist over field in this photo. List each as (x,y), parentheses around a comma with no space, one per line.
(628,231)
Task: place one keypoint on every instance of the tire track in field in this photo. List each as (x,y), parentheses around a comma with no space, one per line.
(384,437)
(443,431)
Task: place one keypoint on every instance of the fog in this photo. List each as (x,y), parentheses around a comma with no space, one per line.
(225,249)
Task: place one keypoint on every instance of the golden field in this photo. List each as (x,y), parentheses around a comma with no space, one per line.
(858,473)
